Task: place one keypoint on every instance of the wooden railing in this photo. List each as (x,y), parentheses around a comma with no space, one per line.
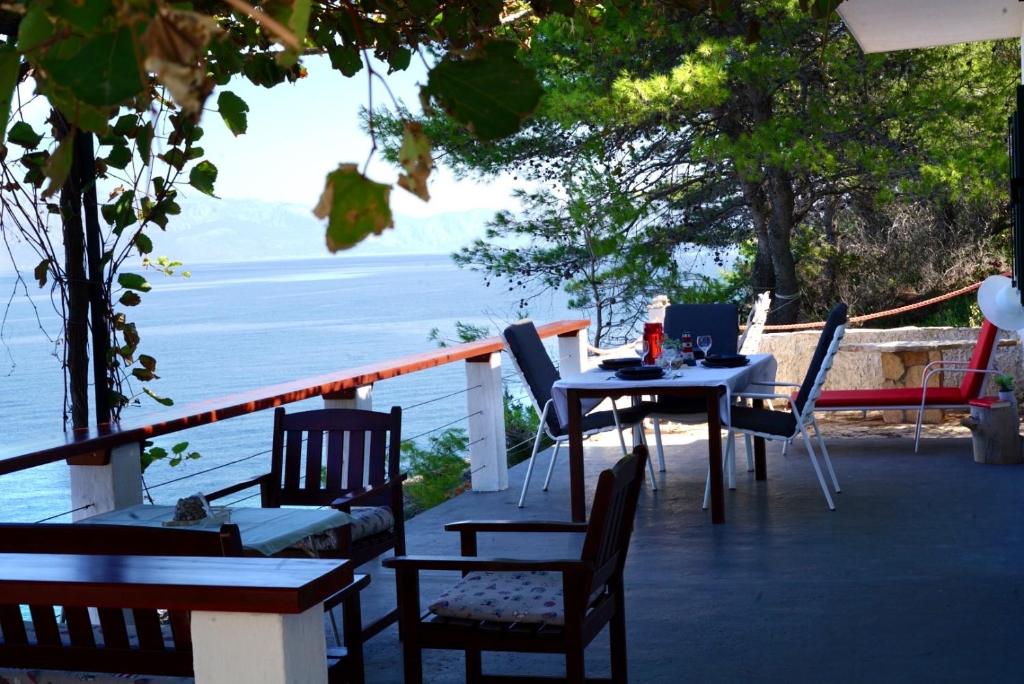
(349,387)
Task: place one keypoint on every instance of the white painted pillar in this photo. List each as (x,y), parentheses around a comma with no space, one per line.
(572,353)
(259,648)
(118,484)
(358,398)
(488,461)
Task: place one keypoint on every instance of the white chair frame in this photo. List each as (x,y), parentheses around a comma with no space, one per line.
(804,419)
(542,429)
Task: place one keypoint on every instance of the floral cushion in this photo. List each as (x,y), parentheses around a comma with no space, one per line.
(52,677)
(505,597)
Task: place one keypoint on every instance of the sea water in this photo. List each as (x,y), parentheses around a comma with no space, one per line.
(236,327)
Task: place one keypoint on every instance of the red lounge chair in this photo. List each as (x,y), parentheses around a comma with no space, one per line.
(920,398)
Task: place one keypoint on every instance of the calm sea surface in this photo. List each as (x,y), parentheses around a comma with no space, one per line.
(235,327)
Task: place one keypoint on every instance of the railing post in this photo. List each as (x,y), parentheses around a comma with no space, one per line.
(115,484)
(357,398)
(488,461)
(572,352)
(260,648)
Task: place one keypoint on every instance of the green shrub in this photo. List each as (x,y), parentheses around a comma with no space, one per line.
(521,423)
(438,471)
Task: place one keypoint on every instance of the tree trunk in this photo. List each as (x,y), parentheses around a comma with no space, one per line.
(786,307)
(84,168)
(76,357)
(762,276)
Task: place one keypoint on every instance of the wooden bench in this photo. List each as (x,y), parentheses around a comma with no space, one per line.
(201,596)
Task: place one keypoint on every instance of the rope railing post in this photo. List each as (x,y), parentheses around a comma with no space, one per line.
(116,484)
(488,462)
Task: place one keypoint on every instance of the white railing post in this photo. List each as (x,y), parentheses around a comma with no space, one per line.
(117,483)
(259,648)
(488,461)
(572,352)
(357,398)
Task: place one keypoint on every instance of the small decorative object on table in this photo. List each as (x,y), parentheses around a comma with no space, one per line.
(196,510)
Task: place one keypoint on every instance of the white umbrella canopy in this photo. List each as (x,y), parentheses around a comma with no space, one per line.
(887,25)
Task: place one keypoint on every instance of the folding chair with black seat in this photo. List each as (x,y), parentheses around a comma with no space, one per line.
(538,374)
(787,425)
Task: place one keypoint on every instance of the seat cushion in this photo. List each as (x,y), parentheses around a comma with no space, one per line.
(371,520)
(781,423)
(534,597)
(895,396)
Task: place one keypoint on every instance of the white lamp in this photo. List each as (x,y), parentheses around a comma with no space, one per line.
(999,300)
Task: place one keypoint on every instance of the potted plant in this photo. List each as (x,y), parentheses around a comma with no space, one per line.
(1004,383)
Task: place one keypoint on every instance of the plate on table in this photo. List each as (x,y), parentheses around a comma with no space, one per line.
(640,373)
(616,364)
(725,360)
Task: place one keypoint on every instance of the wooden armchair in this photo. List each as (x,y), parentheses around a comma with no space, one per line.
(348,459)
(533,606)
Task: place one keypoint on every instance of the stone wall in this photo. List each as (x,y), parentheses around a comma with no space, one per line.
(871,358)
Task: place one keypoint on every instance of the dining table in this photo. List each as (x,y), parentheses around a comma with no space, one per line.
(575,395)
(264,531)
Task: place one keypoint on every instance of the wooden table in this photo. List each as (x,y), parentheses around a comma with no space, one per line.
(714,386)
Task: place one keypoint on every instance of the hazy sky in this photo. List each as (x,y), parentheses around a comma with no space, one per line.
(299,132)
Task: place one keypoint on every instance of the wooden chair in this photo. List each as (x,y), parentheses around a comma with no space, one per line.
(589,590)
(139,645)
(312,464)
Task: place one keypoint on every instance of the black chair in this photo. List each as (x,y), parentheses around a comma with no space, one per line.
(529,606)
(538,373)
(787,425)
(722,322)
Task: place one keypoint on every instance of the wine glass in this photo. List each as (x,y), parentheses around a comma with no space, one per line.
(642,350)
(704,343)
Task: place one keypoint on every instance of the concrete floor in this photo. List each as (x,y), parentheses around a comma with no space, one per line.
(918,576)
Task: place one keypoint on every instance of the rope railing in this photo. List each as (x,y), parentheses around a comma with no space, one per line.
(441,427)
(853,320)
(61,515)
(441,398)
(207,470)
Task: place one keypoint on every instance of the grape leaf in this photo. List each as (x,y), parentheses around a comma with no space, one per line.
(130,299)
(488,90)
(119,157)
(101,70)
(414,157)
(232,110)
(133,281)
(40,271)
(202,177)
(166,401)
(23,134)
(354,207)
(59,165)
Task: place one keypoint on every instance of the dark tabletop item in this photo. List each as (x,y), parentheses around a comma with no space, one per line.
(616,364)
(640,373)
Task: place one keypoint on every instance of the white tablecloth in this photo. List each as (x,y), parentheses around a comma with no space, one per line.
(266,530)
(762,368)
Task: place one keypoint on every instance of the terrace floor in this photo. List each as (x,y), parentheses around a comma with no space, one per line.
(917,576)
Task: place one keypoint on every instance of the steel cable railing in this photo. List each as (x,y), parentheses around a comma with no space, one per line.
(61,515)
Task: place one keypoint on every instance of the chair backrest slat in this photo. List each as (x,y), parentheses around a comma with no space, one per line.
(534,366)
(836,318)
(981,359)
(611,517)
(721,321)
(44,624)
(356,459)
(147,629)
(378,458)
(80,626)
(314,459)
(115,631)
(361,447)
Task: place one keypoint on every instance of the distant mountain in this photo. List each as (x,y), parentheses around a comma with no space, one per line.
(248,230)
(231,230)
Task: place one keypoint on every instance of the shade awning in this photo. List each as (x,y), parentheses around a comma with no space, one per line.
(887,25)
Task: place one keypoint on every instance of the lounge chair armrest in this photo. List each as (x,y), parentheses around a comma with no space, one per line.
(472,563)
(760,395)
(515,526)
(262,480)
